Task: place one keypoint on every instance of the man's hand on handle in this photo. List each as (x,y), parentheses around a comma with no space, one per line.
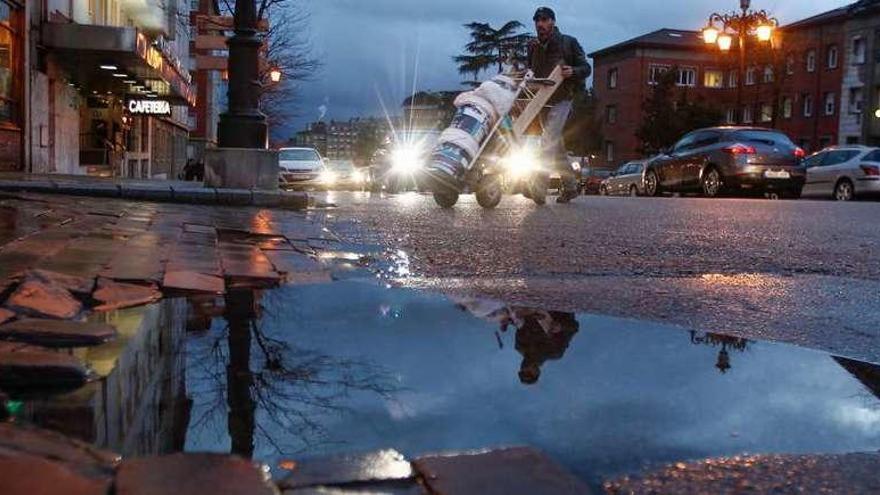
(567,71)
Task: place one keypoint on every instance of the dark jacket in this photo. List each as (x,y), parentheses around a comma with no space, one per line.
(560,49)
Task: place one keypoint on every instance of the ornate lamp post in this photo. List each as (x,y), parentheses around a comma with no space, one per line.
(723,29)
(243,125)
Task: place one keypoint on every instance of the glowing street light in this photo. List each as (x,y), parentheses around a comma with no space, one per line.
(764,32)
(710,35)
(275,75)
(725,41)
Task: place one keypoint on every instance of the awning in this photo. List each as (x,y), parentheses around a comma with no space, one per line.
(118,60)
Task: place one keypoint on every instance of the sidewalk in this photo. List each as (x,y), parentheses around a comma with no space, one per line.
(149,190)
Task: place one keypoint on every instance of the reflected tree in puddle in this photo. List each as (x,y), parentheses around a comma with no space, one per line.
(727,344)
(274,393)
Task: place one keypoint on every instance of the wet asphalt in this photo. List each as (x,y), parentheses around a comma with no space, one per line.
(802,272)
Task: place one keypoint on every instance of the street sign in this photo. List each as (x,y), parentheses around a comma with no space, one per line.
(148,107)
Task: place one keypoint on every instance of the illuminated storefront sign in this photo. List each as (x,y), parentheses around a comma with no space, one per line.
(148,107)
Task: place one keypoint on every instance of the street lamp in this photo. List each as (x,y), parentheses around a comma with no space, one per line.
(275,75)
(743,25)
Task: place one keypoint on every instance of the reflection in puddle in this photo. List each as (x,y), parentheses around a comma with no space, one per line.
(352,366)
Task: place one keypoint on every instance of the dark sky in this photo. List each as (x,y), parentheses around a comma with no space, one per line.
(378,50)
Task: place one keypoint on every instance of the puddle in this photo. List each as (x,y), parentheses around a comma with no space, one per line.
(353,366)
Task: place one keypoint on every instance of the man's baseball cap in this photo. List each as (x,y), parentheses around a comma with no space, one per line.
(544,12)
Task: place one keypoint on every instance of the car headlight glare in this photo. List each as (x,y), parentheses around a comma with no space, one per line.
(521,162)
(405,160)
(328,177)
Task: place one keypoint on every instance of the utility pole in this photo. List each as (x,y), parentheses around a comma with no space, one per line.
(243,125)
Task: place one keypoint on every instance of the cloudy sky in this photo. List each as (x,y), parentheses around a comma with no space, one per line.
(376,51)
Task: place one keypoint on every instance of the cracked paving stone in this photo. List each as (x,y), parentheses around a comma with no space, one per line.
(298,268)
(191,474)
(6,315)
(57,333)
(114,295)
(38,442)
(22,474)
(188,281)
(43,300)
(382,465)
(29,366)
(517,470)
(81,286)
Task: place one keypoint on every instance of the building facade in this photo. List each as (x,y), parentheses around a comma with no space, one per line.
(339,140)
(814,82)
(72,71)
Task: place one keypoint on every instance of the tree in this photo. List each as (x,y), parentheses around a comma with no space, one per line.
(668,114)
(492,47)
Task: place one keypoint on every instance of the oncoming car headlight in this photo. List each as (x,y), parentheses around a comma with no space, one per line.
(358,176)
(328,177)
(405,160)
(521,162)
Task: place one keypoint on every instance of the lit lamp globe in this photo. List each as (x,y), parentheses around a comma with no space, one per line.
(710,35)
(764,32)
(725,41)
(877,113)
(275,75)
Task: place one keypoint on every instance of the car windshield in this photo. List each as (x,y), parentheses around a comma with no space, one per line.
(769,138)
(303,155)
(340,166)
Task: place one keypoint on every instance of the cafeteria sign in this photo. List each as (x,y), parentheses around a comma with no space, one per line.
(149,107)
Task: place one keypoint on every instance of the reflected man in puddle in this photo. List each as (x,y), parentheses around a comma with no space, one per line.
(541,335)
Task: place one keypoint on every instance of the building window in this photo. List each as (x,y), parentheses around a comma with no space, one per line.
(768,74)
(687,77)
(808,105)
(10,67)
(832,57)
(730,117)
(612,78)
(656,73)
(750,76)
(766,112)
(856,100)
(713,78)
(859,50)
(611,114)
(787,107)
(609,151)
(733,79)
(829,103)
(748,115)
(789,65)
(811,61)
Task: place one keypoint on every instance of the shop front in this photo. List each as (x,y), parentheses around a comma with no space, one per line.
(130,92)
(11,85)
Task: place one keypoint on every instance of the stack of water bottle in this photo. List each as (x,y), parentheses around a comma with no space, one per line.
(476,113)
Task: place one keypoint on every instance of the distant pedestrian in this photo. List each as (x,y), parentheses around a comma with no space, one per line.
(550,49)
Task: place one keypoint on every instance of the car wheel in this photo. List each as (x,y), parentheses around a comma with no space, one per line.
(633,191)
(844,191)
(489,192)
(652,183)
(446,199)
(712,183)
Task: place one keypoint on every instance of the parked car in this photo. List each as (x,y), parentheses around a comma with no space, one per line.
(628,180)
(301,168)
(728,159)
(591,179)
(843,173)
(342,175)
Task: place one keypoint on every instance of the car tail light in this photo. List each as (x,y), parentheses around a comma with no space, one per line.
(740,149)
(800,153)
(871,170)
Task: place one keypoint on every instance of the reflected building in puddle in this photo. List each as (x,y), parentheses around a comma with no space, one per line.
(137,404)
(727,344)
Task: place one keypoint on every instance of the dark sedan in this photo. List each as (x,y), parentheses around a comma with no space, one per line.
(728,159)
